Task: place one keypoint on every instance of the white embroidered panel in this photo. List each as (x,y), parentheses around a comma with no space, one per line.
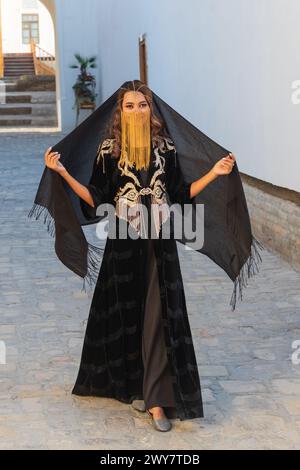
(128,198)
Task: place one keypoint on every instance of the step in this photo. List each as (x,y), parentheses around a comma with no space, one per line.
(17,61)
(31,117)
(11,87)
(17,75)
(35,97)
(18,66)
(9,59)
(11,98)
(8,70)
(18,70)
(43,97)
(13,110)
(17,54)
(8,80)
(25,121)
(14,57)
(36,109)
(14,122)
(14,88)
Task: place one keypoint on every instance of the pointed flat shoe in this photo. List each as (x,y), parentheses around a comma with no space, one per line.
(160,424)
(139,405)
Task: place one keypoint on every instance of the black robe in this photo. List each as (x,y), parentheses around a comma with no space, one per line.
(226,238)
(111,361)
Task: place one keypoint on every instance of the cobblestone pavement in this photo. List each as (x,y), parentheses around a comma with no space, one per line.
(251,387)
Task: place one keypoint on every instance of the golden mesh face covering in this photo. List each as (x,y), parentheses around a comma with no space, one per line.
(135,129)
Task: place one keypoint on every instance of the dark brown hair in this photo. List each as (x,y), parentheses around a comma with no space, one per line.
(157,125)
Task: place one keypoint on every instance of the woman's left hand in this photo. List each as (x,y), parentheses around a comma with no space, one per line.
(224,166)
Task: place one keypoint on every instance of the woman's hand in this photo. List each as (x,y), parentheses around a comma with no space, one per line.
(224,166)
(52,161)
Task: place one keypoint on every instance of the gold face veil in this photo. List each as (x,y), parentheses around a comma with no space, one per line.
(136,146)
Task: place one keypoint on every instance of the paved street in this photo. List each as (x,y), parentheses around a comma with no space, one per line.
(251,387)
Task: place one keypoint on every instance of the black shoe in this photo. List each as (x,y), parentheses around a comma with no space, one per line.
(160,424)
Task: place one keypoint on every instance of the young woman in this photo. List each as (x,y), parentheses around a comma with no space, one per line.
(138,345)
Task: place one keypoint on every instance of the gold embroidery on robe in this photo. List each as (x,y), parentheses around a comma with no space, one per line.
(104,148)
(128,198)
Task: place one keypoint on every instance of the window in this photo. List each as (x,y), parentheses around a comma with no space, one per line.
(30,28)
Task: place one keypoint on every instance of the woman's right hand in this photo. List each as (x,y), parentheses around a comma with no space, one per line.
(224,166)
(52,161)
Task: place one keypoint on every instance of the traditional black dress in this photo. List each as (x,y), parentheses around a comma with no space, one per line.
(138,342)
(157,383)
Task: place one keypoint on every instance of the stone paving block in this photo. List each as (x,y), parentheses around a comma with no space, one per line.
(250,387)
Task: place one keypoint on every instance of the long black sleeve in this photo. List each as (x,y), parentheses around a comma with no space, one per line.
(177,188)
(99,187)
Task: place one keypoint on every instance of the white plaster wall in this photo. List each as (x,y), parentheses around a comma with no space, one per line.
(12,26)
(227,66)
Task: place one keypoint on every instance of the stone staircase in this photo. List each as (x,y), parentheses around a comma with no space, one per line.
(18,64)
(26,108)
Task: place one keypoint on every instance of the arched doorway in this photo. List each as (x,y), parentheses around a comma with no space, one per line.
(29,65)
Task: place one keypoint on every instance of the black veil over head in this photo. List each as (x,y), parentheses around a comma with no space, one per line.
(228,239)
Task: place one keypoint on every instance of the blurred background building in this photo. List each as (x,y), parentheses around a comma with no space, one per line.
(231,68)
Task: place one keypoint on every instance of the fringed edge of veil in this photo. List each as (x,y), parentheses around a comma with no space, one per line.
(249,269)
(36,211)
(94,253)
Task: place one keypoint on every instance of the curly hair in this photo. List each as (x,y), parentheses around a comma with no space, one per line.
(157,126)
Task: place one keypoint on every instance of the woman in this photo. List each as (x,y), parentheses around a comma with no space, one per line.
(138,346)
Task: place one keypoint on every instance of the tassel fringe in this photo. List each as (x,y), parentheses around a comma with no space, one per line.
(95,253)
(36,211)
(249,269)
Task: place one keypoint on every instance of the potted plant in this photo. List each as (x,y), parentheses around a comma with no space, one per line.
(84,87)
